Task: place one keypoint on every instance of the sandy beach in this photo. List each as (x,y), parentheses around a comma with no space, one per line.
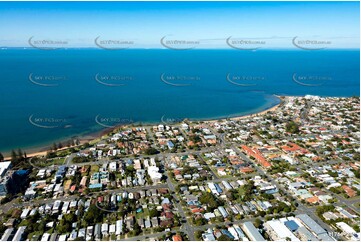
(43,150)
(271,109)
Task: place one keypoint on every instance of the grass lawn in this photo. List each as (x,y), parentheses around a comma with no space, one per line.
(49,162)
(215,171)
(143,214)
(94,168)
(58,161)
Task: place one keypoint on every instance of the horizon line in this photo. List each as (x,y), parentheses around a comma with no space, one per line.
(156,48)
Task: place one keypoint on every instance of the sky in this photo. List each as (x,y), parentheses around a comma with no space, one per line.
(204,24)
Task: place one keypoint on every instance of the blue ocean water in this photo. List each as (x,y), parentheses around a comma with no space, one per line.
(48,96)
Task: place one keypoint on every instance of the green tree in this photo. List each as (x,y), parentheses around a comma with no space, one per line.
(224,237)
(20,154)
(93,215)
(151,151)
(14,157)
(292,127)
(198,234)
(137,229)
(257,223)
(154,213)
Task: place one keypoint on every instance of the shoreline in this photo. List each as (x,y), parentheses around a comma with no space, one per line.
(42,150)
(240,117)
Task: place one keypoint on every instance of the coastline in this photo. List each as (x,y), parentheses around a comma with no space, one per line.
(42,150)
(262,112)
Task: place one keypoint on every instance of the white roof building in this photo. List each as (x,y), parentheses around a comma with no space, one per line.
(279,231)
(4,166)
(25,213)
(113,166)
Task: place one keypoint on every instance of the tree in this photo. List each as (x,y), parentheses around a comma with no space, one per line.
(1,157)
(129,170)
(20,154)
(198,234)
(244,193)
(257,223)
(231,194)
(210,200)
(80,159)
(64,226)
(224,237)
(151,151)
(14,157)
(153,213)
(137,229)
(93,215)
(292,127)
(42,226)
(200,221)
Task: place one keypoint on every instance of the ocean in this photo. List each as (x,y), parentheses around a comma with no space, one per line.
(51,95)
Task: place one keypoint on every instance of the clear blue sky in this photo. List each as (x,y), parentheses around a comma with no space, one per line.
(146,22)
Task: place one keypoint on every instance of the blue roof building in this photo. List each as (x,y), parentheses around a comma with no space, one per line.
(292,225)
